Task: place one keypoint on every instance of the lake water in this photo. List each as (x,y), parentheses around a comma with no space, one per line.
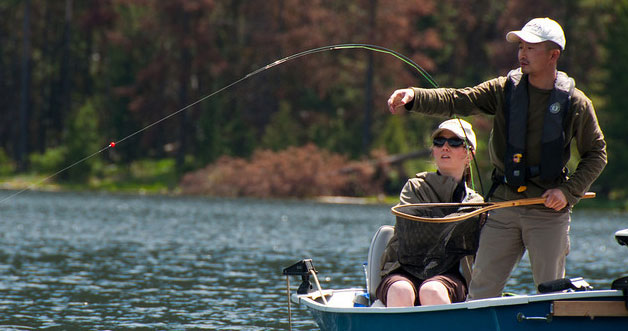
(92,261)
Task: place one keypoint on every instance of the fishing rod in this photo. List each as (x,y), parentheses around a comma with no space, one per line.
(374,48)
(369,47)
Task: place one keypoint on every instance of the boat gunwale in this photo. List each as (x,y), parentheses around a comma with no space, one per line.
(305,299)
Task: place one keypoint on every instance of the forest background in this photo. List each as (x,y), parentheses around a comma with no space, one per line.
(77,75)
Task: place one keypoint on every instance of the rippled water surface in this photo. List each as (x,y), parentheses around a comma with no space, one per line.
(98,262)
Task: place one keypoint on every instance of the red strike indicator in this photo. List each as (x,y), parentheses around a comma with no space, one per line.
(112,144)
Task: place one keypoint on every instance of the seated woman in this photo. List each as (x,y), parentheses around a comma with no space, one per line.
(420,266)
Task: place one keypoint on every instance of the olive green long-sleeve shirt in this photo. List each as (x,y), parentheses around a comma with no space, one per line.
(581,125)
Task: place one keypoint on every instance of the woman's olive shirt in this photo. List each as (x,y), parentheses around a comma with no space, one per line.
(426,249)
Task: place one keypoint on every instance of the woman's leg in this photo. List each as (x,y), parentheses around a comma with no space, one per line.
(433,293)
(400,294)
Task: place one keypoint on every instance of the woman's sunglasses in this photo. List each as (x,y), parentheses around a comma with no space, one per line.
(453,142)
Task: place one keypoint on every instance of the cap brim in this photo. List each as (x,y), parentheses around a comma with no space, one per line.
(438,131)
(516,36)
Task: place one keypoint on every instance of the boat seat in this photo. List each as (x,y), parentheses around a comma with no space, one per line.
(622,237)
(376,250)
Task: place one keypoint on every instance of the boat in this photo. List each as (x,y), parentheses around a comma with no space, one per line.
(568,304)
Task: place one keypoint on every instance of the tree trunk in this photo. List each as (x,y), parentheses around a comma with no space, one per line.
(368,107)
(45,89)
(66,72)
(186,59)
(22,153)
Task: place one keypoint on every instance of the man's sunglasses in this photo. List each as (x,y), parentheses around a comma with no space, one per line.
(453,142)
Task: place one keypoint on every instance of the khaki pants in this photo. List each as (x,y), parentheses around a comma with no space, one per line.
(507,234)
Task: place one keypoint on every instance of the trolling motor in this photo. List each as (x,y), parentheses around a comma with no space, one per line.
(302,268)
(622,283)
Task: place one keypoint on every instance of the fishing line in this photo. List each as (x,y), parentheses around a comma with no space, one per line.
(374,48)
(477,169)
(55,174)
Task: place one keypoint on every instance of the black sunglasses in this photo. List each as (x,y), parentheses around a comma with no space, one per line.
(453,142)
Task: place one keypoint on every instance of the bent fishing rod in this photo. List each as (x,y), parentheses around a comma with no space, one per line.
(369,47)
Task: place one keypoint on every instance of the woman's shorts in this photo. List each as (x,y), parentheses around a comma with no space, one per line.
(454,282)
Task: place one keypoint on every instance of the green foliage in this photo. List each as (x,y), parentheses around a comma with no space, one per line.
(395,137)
(282,131)
(144,176)
(82,141)
(117,67)
(53,160)
(336,133)
(212,143)
(613,115)
(7,166)
(225,132)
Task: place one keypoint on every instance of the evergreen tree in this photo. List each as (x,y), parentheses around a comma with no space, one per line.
(614,117)
(282,131)
(82,141)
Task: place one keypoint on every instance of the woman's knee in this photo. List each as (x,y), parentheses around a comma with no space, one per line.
(400,293)
(433,293)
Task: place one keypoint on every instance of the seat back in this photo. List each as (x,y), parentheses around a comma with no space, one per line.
(622,237)
(376,250)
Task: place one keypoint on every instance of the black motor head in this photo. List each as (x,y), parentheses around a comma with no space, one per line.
(301,268)
(622,237)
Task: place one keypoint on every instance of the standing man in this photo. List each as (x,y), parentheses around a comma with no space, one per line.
(537,113)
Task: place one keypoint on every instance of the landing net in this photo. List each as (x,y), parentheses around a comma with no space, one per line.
(426,249)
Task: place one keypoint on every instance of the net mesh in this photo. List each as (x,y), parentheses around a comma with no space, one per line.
(426,249)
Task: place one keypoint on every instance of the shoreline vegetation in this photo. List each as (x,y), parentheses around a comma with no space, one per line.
(302,173)
(32,183)
(305,172)
(19,183)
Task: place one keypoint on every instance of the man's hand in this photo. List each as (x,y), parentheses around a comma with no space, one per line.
(398,99)
(555,199)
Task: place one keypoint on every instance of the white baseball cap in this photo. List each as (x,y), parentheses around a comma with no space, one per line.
(461,128)
(539,30)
